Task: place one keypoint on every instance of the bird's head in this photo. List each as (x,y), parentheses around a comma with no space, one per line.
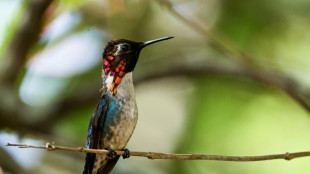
(120,56)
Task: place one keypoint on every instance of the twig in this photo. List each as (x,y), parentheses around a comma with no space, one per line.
(156,155)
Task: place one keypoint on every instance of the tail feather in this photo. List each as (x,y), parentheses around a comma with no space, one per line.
(99,164)
(89,163)
(106,169)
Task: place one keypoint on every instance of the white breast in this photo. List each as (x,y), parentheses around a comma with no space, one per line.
(125,89)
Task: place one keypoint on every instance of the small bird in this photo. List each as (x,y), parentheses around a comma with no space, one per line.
(116,114)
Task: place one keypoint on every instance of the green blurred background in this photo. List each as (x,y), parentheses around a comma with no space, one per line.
(233,81)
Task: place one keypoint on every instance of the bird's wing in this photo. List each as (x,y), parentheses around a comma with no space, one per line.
(95,130)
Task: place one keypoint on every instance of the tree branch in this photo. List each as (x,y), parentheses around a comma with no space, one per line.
(156,155)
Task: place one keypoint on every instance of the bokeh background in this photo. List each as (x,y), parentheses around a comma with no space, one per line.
(234,81)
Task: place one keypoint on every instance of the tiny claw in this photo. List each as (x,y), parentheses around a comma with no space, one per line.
(47,145)
(112,154)
(126,153)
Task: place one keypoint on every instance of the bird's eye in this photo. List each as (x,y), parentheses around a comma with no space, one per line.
(124,47)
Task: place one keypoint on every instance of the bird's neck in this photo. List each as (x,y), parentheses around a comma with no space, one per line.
(125,89)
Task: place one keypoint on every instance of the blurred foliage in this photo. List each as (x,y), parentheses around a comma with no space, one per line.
(196,93)
(11,29)
(259,121)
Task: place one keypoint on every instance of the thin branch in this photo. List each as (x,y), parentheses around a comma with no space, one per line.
(156,155)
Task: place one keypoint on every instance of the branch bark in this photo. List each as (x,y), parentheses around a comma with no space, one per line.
(171,156)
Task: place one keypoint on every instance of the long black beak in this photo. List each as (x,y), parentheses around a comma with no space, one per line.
(144,44)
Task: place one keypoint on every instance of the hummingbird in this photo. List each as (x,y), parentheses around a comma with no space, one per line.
(116,114)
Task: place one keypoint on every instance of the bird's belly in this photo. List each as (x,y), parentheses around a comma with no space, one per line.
(122,134)
(125,123)
(120,124)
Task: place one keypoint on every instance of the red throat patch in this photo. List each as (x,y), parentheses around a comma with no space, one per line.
(118,72)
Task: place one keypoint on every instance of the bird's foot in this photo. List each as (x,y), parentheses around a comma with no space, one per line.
(112,154)
(126,153)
